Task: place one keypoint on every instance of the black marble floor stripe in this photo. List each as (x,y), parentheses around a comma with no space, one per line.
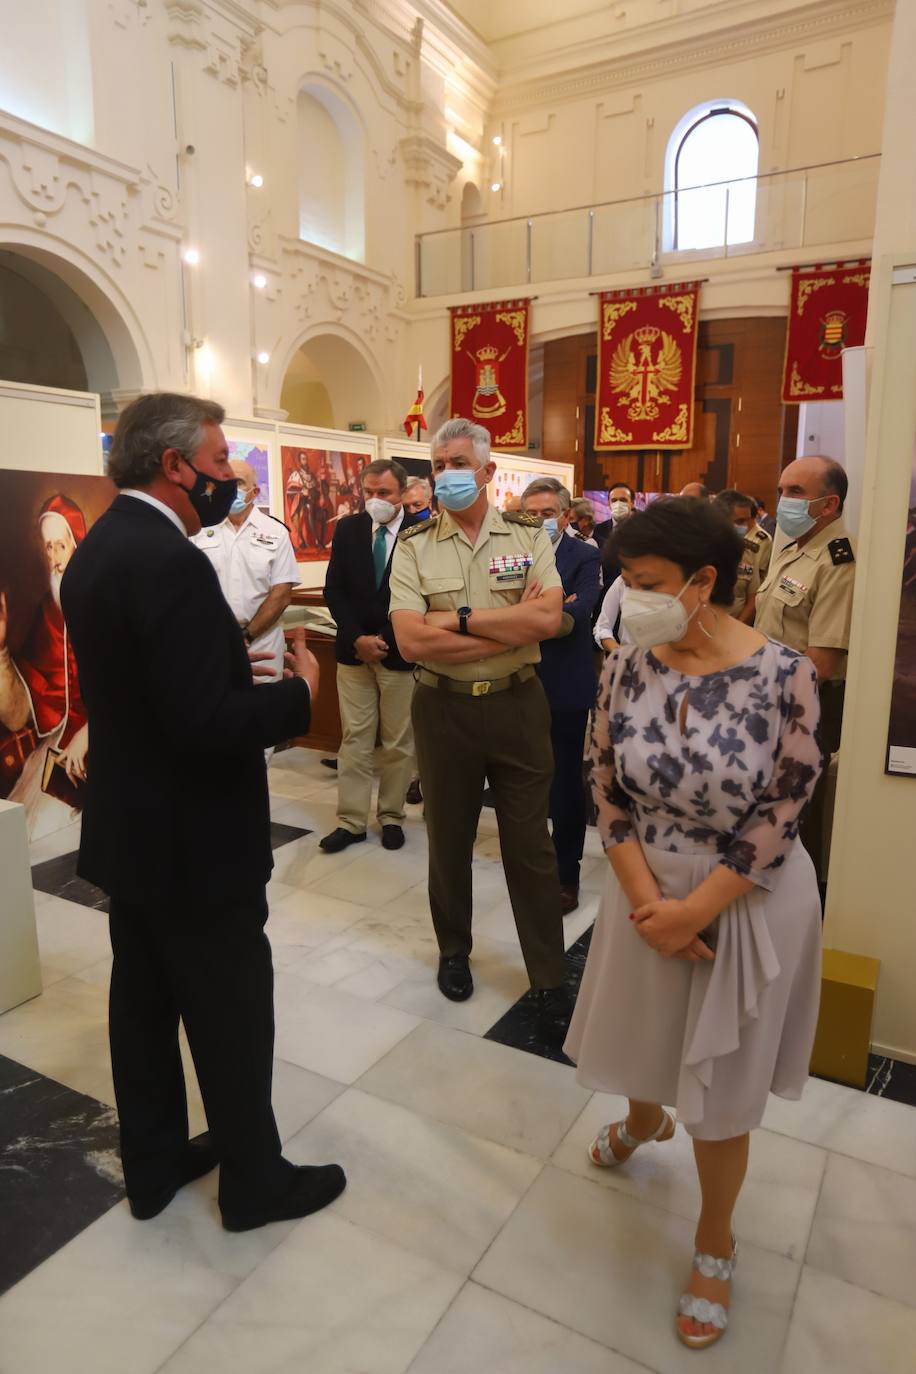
(58,877)
(59,1167)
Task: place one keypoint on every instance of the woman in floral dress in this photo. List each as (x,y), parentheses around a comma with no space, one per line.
(703,977)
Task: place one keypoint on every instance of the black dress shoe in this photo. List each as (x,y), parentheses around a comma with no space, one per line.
(414,793)
(199,1159)
(339,839)
(392,837)
(329,763)
(454,978)
(569,899)
(311,1188)
(554,1009)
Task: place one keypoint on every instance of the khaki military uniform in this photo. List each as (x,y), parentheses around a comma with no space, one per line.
(755,560)
(484,721)
(806,601)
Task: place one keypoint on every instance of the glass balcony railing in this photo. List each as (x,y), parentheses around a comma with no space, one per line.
(805,208)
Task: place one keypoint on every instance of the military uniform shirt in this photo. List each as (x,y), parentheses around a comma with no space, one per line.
(806,598)
(755,560)
(436,568)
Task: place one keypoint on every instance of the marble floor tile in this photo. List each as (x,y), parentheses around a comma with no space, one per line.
(487,1089)
(59,1167)
(500,980)
(432,1188)
(333,1298)
(377,875)
(58,877)
(64,1035)
(484,1333)
(63,841)
(849,1122)
(865,1229)
(612,1268)
(304,919)
(846,1330)
(332,1033)
(70,936)
(123,1295)
(776,1206)
(302,863)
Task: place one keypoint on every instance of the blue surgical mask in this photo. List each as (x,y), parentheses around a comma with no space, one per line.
(239,504)
(423,514)
(552,528)
(793,516)
(456,488)
(742,530)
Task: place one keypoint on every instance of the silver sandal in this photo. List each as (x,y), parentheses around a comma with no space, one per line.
(701,1309)
(602,1142)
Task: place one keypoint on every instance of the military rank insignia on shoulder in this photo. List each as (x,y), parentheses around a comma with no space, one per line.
(840,551)
(523,517)
(419,529)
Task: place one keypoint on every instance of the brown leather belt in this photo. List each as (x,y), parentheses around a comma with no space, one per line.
(485,688)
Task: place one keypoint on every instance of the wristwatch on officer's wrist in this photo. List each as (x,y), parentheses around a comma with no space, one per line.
(247,636)
(463,614)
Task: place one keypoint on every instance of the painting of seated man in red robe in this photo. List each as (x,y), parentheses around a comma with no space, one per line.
(44,736)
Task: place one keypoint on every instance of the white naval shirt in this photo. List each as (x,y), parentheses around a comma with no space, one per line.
(249,561)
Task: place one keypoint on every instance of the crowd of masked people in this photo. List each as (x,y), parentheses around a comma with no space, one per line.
(467,640)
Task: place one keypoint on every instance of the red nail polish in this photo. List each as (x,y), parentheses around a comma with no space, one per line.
(632,915)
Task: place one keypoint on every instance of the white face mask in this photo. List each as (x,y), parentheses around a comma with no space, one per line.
(620,510)
(652,618)
(382,512)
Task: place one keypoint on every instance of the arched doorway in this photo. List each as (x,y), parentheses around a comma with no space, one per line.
(58,328)
(330,383)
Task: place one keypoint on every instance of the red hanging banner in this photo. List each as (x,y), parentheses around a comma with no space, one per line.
(647,355)
(827,313)
(490,369)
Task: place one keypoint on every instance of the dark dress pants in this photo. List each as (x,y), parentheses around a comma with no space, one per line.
(505,739)
(212,969)
(567,792)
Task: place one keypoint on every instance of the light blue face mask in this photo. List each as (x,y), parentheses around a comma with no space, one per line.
(552,528)
(239,504)
(456,488)
(742,530)
(793,515)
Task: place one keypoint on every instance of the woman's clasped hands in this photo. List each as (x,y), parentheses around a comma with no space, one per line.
(671,927)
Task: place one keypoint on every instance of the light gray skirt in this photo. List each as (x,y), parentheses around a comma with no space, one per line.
(711,1039)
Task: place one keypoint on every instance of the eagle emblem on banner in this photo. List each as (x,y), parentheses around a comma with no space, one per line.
(645,367)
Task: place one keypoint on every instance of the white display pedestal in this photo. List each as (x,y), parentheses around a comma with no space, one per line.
(20,972)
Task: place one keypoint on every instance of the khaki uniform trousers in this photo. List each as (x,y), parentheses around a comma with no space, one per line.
(374,701)
(505,739)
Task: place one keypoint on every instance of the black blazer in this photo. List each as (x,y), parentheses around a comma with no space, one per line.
(567,666)
(176,805)
(357,605)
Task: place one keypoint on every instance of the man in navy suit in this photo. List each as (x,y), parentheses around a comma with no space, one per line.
(374,683)
(567,673)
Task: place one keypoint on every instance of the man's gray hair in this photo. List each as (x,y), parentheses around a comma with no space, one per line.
(583,507)
(459,428)
(423,482)
(379,466)
(150,425)
(547,486)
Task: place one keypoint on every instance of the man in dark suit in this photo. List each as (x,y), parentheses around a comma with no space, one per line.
(374,683)
(621,499)
(176,821)
(567,672)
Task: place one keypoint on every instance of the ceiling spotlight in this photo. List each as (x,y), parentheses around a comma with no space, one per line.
(263,358)
(497,140)
(496,186)
(191,256)
(259,280)
(256,180)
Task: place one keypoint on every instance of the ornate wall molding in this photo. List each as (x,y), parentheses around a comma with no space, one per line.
(430,167)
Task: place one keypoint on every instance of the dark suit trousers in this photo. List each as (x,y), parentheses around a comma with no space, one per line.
(567,792)
(504,738)
(212,969)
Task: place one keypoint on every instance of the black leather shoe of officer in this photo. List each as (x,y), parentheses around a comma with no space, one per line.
(454,978)
(339,839)
(200,1157)
(392,837)
(554,1009)
(311,1188)
(414,793)
(569,899)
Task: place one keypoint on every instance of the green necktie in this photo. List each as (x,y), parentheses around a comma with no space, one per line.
(379,554)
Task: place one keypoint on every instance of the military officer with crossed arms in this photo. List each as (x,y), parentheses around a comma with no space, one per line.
(805,601)
(473,591)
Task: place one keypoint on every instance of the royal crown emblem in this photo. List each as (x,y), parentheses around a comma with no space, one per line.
(832,338)
(642,378)
(489,402)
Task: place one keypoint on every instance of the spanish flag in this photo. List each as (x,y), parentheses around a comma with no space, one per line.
(415,419)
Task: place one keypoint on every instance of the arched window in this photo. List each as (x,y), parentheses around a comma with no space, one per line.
(711,170)
(331,172)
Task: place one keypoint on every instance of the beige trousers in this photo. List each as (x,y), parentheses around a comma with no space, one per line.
(373,701)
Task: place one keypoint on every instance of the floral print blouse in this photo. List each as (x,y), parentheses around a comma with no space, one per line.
(733,782)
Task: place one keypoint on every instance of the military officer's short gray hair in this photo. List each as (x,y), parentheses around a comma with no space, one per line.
(550,486)
(459,428)
(583,507)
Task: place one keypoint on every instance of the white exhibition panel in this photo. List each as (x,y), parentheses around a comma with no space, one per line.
(332,441)
(46,430)
(20,973)
(515,471)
